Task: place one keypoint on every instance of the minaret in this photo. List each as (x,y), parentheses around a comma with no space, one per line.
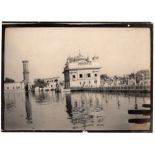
(25,72)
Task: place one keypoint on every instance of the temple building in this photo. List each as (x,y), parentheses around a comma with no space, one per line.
(82,72)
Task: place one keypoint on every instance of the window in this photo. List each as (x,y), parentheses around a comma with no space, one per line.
(56,80)
(88,75)
(73,76)
(95,75)
(80,75)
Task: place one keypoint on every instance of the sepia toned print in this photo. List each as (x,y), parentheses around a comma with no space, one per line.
(77,76)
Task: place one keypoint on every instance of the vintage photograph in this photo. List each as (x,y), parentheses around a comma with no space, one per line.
(94,77)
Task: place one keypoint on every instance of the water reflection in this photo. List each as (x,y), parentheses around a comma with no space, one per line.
(10,102)
(77,111)
(84,110)
(57,96)
(118,102)
(41,97)
(69,105)
(28,107)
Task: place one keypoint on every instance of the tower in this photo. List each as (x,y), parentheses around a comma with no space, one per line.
(25,72)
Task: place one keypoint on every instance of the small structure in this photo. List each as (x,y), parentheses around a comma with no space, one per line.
(81,72)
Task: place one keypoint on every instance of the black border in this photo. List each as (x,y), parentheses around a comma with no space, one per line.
(20,24)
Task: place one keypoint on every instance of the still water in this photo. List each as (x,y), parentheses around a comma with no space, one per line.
(75,111)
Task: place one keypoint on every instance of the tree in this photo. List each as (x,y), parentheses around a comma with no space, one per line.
(104,76)
(40,83)
(132,75)
(8,80)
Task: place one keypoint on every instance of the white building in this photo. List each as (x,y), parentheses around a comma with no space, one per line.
(16,86)
(52,83)
(82,72)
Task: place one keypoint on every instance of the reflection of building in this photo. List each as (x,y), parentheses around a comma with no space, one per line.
(41,97)
(14,86)
(81,72)
(84,110)
(28,107)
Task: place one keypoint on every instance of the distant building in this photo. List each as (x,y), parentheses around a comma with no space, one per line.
(16,86)
(25,85)
(81,71)
(143,77)
(52,83)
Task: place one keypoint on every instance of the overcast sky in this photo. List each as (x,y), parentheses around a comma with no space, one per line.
(120,50)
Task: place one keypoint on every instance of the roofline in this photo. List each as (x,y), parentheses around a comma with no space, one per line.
(82,68)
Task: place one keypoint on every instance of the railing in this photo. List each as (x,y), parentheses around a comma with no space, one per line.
(114,88)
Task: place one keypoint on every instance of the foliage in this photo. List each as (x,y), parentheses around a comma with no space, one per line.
(104,76)
(8,80)
(40,83)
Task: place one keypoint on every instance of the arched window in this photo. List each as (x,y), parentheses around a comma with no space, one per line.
(80,76)
(88,75)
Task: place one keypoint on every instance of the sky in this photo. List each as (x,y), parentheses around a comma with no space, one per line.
(120,50)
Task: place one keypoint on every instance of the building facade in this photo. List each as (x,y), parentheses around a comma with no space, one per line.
(143,77)
(16,86)
(81,72)
(52,83)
